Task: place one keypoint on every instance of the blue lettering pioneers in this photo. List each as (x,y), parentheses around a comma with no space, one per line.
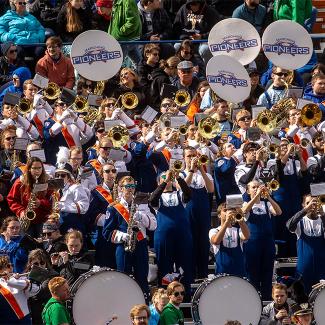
(233,44)
(227,79)
(286,46)
(96,54)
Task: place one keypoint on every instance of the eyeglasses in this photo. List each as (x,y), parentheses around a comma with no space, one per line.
(245,118)
(22,3)
(177,293)
(36,168)
(10,138)
(87,86)
(100,130)
(280,74)
(13,51)
(52,46)
(48,234)
(60,175)
(128,186)
(165,105)
(107,171)
(105,148)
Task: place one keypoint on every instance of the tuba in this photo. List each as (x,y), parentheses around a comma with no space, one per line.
(24,106)
(52,91)
(129,100)
(119,135)
(265,121)
(311,115)
(182,98)
(209,127)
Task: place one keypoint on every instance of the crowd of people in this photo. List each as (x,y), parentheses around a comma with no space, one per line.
(77,191)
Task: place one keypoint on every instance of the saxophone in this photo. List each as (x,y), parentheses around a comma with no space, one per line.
(55,213)
(30,214)
(133,229)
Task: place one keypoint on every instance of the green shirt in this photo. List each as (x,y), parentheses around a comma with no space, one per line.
(171,315)
(55,313)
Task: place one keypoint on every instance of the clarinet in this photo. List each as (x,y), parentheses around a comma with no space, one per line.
(132,230)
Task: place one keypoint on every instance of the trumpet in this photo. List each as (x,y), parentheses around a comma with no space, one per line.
(177,165)
(164,120)
(273,185)
(52,91)
(304,143)
(183,129)
(80,104)
(273,148)
(203,159)
(119,135)
(311,115)
(24,106)
(237,216)
(128,100)
(182,98)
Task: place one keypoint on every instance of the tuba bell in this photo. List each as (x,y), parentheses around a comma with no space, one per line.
(209,127)
(24,106)
(119,135)
(265,121)
(182,98)
(52,91)
(311,115)
(129,100)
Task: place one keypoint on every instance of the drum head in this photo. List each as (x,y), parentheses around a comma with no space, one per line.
(103,295)
(227,298)
(318,301)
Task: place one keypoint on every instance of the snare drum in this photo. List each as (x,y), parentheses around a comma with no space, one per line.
(226,297)
(101,294)
(317,300)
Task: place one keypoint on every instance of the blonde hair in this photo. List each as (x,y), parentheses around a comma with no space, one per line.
(134,74)
(74,23)
(171,287)
(74,234)
(56,283)
(136,310)
(4,261)
(159,294)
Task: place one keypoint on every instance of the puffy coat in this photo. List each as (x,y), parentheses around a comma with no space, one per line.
(24,29)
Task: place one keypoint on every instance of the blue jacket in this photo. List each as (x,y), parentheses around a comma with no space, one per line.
(317,99)
(24,29)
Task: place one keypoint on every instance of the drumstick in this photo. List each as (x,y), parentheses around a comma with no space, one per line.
(112,319)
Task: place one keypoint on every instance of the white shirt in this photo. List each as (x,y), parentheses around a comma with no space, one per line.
(24,128)
(312,228)
(288,168)
(258,208)
(197,179)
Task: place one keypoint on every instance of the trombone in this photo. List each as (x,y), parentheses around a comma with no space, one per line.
(119,135)
(24,106)
(52,91)
(128,100)
(182,98)
(209,127)
(311,115)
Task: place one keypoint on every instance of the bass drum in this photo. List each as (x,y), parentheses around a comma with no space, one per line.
(224,298)
(101,295)
(317,301)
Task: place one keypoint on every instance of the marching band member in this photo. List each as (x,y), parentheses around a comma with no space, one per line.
(20,197)
(76,260)
(25,129)
(227,241)
(53,241)
(201,184)
(101,198)
(244,121)
(224,172)
(173,237)
(308,224)
(8,137)
(9,244)
(260,248)
(100,132)
(253,156)
(74,201)
(116,230)
(315,163)
(64,128)
(303,315)
(317,93)
(290,168)
(14,292)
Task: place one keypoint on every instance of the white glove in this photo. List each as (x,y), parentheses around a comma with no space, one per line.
(66,114)
(116,113)
(137,216)
(125,236)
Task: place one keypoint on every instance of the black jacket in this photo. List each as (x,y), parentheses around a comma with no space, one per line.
(98,22)
(4,69)
(206,18)
(159,77)
(145,74)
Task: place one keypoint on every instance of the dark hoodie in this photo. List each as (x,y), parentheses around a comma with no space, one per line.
(188,23)
(159,77)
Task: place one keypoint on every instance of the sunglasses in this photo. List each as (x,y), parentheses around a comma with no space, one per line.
(280,74)
(13,51)
(10,138)
(100,130)
(107,171)
(109,105)
(245,118)
(128,186)
(38,264)
(105,148)
(60,175)
(22,3)
(48,234)
(60,104)
(177,293)
(87,86)
(165,105)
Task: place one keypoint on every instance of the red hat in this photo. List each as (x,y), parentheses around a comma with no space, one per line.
(104,3)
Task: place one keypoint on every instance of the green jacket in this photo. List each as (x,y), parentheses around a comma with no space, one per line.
(55,313)
(125,23)
(296,10)
(171,315)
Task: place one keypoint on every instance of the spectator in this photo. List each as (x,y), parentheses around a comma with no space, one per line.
(102,17)
(256,91)
(194,20)
(55,66)
(194,106)
(72,20)
(159,301)
(253,12)
(226,7)
(125,25)
(9,61)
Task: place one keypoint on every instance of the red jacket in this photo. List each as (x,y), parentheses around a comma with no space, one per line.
(60,72)
(18,200)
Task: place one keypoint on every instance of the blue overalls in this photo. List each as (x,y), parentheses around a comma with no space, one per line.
(289,198)
(173,242)
(311,258)
(198,210)
(260,252)
(230,260)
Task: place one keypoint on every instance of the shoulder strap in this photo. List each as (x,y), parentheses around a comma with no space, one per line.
(268,98)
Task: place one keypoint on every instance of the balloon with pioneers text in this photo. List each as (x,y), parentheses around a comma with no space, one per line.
(228,78)
(96,55)
(236,38)
(287,44)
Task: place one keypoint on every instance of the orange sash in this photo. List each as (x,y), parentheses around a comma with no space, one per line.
(12,302)
(166,154)
(126,216)
(39,125)
(95,164)
(67,136)
(105,194)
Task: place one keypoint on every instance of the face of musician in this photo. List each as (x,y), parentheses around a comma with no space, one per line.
(255,78)
(104,148)
(77,4)
(109,109)
(8,110)
(294,116)
(279,77)
(13,229)
(141,318)
(75,159)
(37,262)
(189,155)
(304,319)
(176,298)
(128,189)
(250,156)
(29,91)
(16,80)
(279,296)
(310,204)
(319,86)
(319,144)
(9,138)
(283,147)
(109,174)
(252,188)
(51,235)
(244,121)
(166,104)
(221,109)
(228,149)
(74,245)
(60,107)
(87,88)
(36,169)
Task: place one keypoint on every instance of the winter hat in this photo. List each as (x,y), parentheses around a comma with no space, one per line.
(5,47)
(104,3)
